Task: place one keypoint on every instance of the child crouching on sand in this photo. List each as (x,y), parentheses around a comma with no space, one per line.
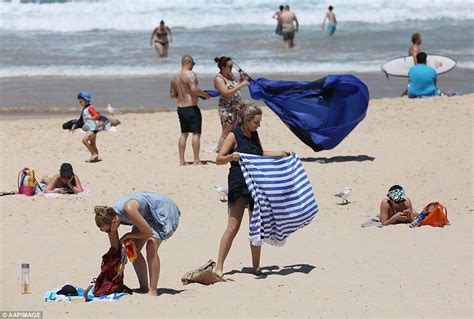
(154,218)
(89,121)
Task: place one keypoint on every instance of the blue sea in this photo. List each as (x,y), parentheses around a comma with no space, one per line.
(111,38)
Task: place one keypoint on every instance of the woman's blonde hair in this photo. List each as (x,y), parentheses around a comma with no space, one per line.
(248,110)
(104,215)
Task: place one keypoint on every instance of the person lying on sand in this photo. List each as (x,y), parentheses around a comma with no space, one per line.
(66,182)
(397,208)
(154,218)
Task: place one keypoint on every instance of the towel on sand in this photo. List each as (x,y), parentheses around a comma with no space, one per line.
(52,295)
(373,221)
(282,194)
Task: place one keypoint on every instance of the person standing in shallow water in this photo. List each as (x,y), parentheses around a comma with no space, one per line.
(159,39)
(289,25)
(277,17)
(331,17)
(185,88)
(415,48)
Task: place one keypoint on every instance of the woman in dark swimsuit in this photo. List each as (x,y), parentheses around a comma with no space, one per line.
(397,208)
(159,39)
(63,183)
(242,139)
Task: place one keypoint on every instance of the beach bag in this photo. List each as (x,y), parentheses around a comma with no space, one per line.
(68,125)
(437,215)
(110,279)
(27,182)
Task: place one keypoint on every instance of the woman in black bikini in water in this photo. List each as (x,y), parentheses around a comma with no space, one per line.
(159,39)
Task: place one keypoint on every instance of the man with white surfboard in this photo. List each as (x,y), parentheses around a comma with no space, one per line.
(415,47)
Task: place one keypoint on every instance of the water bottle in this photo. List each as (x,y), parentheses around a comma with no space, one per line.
(419,219)
(131,250)
(25,278)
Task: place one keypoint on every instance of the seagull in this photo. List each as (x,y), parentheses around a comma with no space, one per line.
(223,191)
(344,194)
(111,110)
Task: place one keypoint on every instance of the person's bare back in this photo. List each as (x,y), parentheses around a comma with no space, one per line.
(182,84)
(331,17)
(286,19)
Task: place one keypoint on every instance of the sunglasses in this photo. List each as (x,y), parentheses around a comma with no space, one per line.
(230,66)
(194,63)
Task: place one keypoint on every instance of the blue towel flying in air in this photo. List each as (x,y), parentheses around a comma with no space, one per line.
(283,197)
(320,113)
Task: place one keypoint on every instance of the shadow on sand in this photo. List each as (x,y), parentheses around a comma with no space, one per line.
(338,159)
(275,270)
(169,291)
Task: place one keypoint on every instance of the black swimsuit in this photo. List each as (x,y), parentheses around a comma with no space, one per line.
(236,182)
(162,34)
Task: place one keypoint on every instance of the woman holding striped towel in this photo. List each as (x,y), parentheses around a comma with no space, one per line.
(243,139)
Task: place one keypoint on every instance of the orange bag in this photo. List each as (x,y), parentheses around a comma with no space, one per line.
(437,217)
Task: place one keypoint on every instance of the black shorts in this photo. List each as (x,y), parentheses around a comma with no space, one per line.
(190,119)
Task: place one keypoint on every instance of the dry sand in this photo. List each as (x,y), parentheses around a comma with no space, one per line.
(333,267)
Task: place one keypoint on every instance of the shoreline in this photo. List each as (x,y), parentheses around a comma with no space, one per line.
(47,96)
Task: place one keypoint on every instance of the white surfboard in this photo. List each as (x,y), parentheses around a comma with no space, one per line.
(401,65)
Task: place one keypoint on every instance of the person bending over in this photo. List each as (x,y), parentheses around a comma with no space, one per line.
(154,218)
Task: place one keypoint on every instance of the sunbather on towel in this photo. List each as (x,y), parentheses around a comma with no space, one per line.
(66,182)
(397,208)
(154,218)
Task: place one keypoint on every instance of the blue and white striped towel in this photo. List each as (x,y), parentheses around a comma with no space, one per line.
(282,194)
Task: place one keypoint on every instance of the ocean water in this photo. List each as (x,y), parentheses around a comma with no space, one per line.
(110,38)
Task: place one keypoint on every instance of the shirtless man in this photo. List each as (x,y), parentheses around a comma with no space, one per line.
(415,48)
(413,51)
(184,87)
(287,20)
(331,17)
(277,16)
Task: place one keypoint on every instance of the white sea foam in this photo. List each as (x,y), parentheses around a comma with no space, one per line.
(130,15)
(153,70)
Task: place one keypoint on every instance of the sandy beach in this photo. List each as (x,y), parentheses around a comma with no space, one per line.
(331,268)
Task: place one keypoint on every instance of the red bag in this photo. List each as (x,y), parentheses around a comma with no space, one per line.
(110,279)
(27,182)
(437,215)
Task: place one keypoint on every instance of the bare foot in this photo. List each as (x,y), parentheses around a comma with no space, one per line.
(153,292)
(183,163)
(140,290)
(258,273)
(218,272)
(198,163)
